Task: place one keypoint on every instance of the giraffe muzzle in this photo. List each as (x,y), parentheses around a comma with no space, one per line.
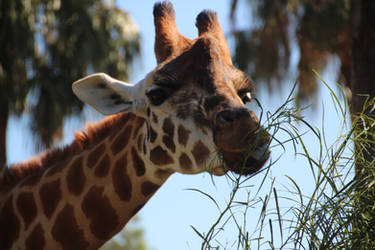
(249,160)
(243,144)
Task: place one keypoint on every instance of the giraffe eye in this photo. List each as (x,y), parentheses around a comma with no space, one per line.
(157,96)
(246,97)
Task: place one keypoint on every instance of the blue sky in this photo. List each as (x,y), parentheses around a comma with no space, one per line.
(170,213)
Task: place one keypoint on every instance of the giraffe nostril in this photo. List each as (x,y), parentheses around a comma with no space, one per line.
(225,116)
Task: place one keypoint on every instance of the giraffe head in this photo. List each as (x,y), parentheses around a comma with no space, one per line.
(195,97)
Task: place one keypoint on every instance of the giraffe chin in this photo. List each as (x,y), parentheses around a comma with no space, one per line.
(246,163)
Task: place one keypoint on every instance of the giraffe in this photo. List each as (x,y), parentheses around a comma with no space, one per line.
(188,115)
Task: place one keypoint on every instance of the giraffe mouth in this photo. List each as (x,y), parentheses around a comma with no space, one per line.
(244,153)
(247,162)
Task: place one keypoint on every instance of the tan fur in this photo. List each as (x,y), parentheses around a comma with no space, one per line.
(95,132)
(182,117)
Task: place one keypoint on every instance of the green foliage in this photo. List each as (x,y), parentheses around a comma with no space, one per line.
(46,45)
(339,211)
(364,194)
(130,238)
(236,209)
(319,29)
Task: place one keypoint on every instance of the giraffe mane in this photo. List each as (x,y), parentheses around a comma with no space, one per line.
(84,139)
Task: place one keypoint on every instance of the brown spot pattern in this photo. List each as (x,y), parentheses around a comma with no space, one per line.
(163,174)
(168,129)
(168,126)
(75,178)
(36,240)
(102,168)
(139,142)
(148,188)
(138,163)
(95,155)
(66,230)
(183,135)
(185,162)
(153,135)
(121,180)
(121,140)
(50,195)
(27,208)
(32,179)
(136,210)
(155,118)
(103,218)
(19,173)
(9,225)
(56,169)
(159,156)
(138,124)
(200,152)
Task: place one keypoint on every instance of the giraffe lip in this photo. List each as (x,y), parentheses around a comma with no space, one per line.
(246,162)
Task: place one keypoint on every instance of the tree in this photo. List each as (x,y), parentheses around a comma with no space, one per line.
(324,28)
(363,98)
(46,45)
(363,75)
(321,30)
(130,238)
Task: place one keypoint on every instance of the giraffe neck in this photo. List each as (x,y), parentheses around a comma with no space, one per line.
(86,197)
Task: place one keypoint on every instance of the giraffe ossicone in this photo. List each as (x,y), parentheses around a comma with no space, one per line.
(188,115)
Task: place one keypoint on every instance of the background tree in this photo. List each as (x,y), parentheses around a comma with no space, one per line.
(46,45)
(320,29)
(363,101)
(323,29)
(363,75)
(131,238)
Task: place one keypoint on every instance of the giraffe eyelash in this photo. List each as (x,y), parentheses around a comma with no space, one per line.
(245,96)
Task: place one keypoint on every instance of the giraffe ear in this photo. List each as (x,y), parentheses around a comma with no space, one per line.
(106,94)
